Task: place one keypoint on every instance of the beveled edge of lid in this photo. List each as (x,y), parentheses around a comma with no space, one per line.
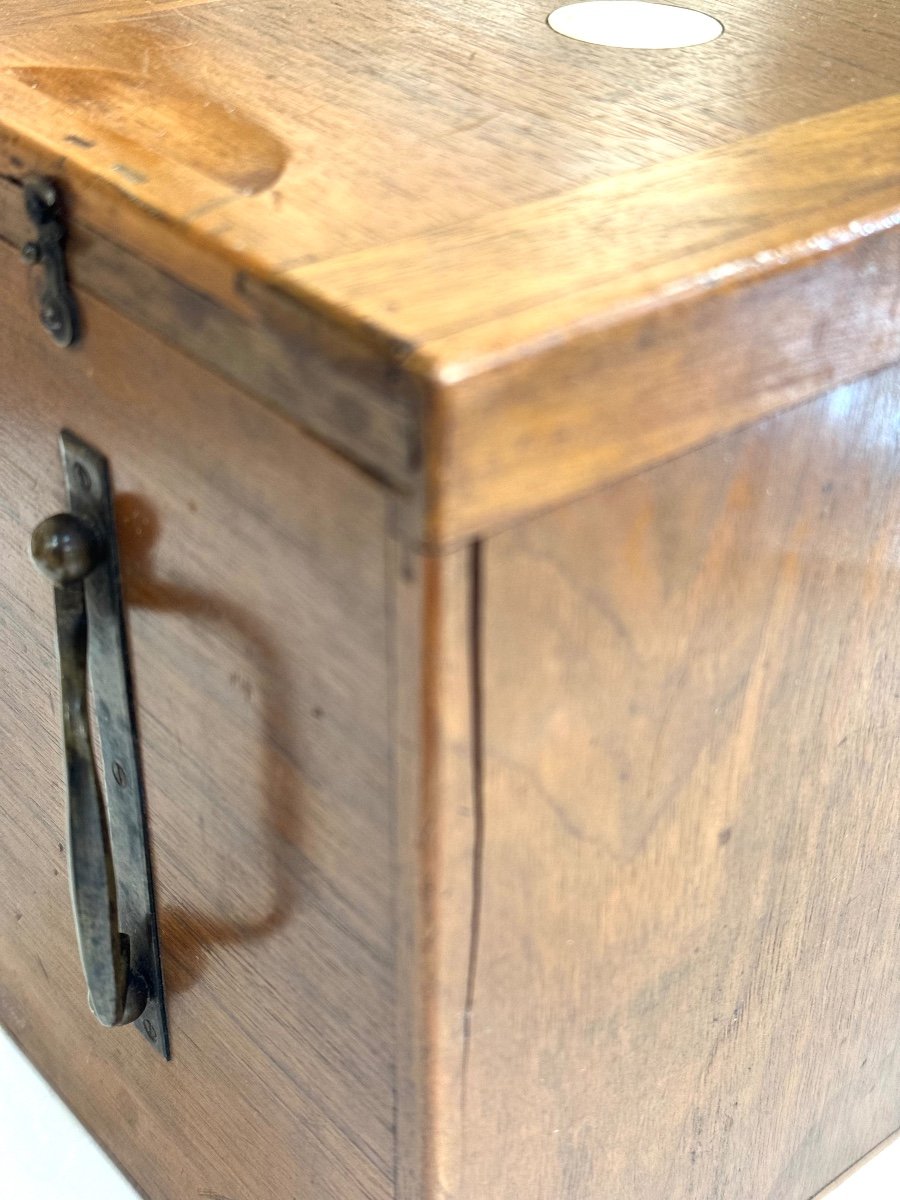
(533,354)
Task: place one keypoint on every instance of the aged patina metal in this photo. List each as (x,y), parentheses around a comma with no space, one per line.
(109,863)
(58,312)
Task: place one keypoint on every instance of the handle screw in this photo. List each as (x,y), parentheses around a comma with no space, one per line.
(81,474)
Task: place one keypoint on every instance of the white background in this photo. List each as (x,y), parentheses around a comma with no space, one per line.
(46,1155)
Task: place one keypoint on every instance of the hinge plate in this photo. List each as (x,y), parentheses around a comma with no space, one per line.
(58,312)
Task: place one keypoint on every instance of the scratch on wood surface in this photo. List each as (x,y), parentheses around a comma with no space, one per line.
(209,206)
(130,173)
(134,8)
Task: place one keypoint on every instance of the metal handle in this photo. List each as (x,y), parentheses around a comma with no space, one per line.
(109,866)
(66,550)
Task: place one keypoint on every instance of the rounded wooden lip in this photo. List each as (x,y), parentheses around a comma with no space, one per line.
(473,297)
(501,364)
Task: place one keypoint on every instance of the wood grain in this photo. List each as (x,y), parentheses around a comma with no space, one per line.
(254,566)
(594,332)
(686,980)
(438,837)
(575,341)
(334,384)
(464,229)
(556,864)
(403,117)
(479,223)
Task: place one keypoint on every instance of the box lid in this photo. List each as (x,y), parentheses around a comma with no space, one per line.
(493,265)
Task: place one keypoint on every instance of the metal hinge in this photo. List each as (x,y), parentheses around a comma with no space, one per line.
(58,313)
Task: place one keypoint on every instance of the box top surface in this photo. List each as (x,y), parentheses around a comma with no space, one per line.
(298,132)
(457,182)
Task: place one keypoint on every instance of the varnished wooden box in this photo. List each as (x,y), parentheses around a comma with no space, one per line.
(507,460)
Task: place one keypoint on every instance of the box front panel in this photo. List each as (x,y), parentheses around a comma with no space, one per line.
(253,565)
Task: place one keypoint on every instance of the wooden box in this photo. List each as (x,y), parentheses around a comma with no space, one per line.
(507,465)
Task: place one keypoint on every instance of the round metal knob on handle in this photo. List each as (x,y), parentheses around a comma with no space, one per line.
(65,549)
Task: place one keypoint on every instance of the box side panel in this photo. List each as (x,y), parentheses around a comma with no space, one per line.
(685,985)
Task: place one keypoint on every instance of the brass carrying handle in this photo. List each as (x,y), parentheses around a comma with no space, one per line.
(66,550)
(110,875)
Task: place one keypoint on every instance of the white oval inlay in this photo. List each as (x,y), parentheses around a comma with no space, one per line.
(635,24)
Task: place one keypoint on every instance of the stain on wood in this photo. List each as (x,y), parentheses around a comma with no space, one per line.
(172,121)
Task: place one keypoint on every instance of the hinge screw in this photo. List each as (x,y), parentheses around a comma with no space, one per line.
(31,253)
